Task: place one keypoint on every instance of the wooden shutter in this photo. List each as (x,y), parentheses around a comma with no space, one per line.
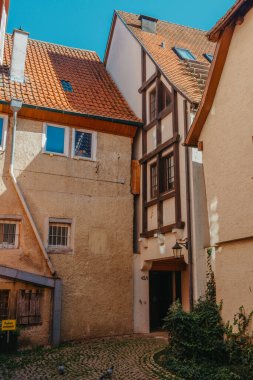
(135,180)
(28,307)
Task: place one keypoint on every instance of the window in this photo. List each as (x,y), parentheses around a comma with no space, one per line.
(3,131)
(8,235)
(168,172)
(209,57)
(165,97)
(28,307)
(84,144)
(59,235)
(66,85)
(184,53)
(56,139)
(152,103)
(153,180)
(4,302)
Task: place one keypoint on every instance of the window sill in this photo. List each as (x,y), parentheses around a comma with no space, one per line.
(15,249)
(51,154)
(77,158)
(59,250)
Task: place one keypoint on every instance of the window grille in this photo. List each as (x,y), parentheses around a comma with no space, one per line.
(8,235)
(153,180)
(83,144)
(4,302)
(58,235)
(28,307)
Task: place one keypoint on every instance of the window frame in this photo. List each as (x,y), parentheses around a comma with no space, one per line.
(93,145)
(153,186)
(164,95)
(177,50)
(16,244)
(151,93)
(208,57)
(165,169)
(4,132)
(66,140)
(60,224)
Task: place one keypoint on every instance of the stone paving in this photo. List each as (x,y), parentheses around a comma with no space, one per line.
(132,358)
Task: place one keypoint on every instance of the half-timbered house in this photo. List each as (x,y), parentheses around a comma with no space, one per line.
(161,69)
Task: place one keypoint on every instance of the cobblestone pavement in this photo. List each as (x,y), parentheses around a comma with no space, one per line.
(132,358)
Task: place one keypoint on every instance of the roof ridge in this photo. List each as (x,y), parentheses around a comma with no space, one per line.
(55,44)
(167,22)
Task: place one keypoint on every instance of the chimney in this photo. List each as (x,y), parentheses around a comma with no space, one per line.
(148,24)
(19,49)
(4,10)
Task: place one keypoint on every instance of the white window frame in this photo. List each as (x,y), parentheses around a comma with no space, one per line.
(4,132)
(66,139)
(93,145)
(16,244)
(64,223)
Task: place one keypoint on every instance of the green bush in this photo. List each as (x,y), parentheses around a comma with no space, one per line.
(202,347)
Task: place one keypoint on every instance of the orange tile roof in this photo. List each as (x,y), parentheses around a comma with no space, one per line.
(186,78)
(94,92)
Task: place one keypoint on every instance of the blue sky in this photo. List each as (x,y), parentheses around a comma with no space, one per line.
(86,23)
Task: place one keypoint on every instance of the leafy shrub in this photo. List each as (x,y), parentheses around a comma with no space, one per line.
(202,347)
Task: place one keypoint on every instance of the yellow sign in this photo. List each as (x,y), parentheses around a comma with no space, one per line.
(9,325)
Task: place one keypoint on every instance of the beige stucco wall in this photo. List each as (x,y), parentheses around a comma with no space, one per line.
(228,161)
(125,52)
(97,274)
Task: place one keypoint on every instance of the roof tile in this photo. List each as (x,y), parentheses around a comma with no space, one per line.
(47,64)
(170,64)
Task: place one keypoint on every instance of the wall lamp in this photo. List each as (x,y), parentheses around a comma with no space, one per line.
(177,248)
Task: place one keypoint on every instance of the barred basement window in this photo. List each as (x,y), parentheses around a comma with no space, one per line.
(8,235)
(28,307)
(59,235)
(4,302)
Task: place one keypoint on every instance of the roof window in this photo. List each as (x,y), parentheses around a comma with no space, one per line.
(184,53)
(208,56)
(66,86)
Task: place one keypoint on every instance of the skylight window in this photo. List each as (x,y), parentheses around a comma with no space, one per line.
(184,53)
(209,57)
(66,86)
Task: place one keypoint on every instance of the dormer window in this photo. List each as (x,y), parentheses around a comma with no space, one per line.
(66,85)
(208,56)
(184,53)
